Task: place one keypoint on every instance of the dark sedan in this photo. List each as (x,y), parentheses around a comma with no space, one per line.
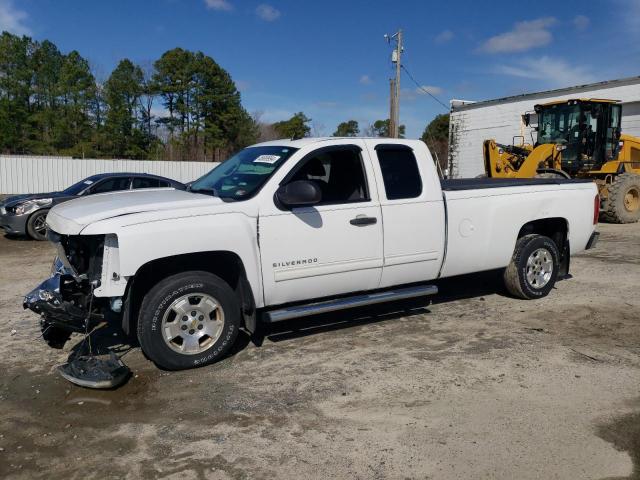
(26,214)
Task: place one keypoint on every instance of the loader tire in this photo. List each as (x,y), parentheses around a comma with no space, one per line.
(623,204)
(534,267)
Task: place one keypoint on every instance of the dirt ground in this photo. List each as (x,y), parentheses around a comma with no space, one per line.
(475,385)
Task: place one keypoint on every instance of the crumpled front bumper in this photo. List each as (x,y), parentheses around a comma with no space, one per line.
(48,301)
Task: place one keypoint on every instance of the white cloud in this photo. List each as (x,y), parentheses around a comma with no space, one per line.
(581,22)
(554,72)
(267,13)
(444,36)
(223,5)
(524,36)
(424,89)
(12,20)
(365,80)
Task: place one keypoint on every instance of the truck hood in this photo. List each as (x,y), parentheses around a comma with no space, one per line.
(71,217)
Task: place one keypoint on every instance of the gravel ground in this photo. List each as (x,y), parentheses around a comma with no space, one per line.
(474,385)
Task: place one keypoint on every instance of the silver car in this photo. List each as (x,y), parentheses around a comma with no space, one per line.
(27,214)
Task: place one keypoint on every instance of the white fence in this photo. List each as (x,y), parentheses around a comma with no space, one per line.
(33,174)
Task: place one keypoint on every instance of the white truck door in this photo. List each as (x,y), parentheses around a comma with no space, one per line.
(333,247)
(412,212)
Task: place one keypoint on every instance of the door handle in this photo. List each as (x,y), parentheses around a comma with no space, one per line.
(362,220)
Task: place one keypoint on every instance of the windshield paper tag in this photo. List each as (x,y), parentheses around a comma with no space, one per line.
(270,159)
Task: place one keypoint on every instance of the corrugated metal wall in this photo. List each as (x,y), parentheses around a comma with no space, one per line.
(33,174)
(501,120)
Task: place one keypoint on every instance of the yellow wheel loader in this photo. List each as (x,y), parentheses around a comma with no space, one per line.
(578,138)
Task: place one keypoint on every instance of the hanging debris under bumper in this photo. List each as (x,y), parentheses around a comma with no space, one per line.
(62,302)
(48,301)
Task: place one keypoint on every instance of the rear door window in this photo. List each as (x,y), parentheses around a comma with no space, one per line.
(146,182)
(399,171)
(111,185)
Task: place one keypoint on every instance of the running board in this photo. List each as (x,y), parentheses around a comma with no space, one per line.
(347,302)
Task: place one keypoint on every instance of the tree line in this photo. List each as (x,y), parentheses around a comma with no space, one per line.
(182,106)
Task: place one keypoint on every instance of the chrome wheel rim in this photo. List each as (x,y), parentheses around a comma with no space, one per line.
(40,224)
(539,268)
(192,323)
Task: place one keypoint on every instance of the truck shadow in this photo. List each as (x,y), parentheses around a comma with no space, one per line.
(109,337)
(450,289)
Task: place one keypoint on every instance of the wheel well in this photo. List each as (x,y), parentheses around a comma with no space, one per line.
(554,228)
(557,230)
(227,265)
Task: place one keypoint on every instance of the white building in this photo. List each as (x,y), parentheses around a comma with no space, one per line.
(501,119)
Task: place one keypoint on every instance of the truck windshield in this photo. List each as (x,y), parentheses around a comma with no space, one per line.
(244,174)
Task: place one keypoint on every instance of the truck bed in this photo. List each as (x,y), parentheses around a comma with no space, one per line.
(455,184)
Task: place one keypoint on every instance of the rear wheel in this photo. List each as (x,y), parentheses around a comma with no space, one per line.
(37,225)
(188,320)
(623,204)
(533,269)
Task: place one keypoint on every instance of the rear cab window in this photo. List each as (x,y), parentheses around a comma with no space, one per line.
(400,172)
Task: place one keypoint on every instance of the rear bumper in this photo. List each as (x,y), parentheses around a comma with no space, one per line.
(592,240)
(14,224)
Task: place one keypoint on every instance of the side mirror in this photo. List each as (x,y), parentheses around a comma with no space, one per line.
(526,119)
(300,193)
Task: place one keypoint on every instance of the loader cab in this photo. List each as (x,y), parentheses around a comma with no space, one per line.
(587,132)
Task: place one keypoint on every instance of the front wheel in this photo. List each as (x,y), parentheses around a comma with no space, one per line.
(188,320)
(533,269)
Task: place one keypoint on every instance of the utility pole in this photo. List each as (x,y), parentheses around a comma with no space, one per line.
(392,106)
(394,114)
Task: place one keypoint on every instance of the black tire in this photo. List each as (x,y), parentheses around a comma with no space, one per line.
(35,225)
(159,300)
(623,204)
(515,276)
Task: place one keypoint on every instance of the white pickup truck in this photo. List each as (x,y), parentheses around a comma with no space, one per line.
(291,228)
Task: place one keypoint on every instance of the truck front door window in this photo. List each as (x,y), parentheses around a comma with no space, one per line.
(339,174)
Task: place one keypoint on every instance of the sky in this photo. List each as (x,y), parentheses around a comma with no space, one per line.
(330,60)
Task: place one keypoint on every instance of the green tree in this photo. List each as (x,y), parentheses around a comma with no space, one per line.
(15,92)
(121,92)
(436,136)
(77,89)
(296,127)
(380,128)
(205,118)
(46,64)
(349,128)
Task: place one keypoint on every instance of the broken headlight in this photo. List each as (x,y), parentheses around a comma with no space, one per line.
(78,255)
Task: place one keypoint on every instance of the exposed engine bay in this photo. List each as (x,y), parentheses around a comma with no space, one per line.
(65,301)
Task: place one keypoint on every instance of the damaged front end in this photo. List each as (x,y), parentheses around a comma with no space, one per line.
(65,301)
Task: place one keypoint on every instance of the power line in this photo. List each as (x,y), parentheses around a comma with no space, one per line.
(424,89)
